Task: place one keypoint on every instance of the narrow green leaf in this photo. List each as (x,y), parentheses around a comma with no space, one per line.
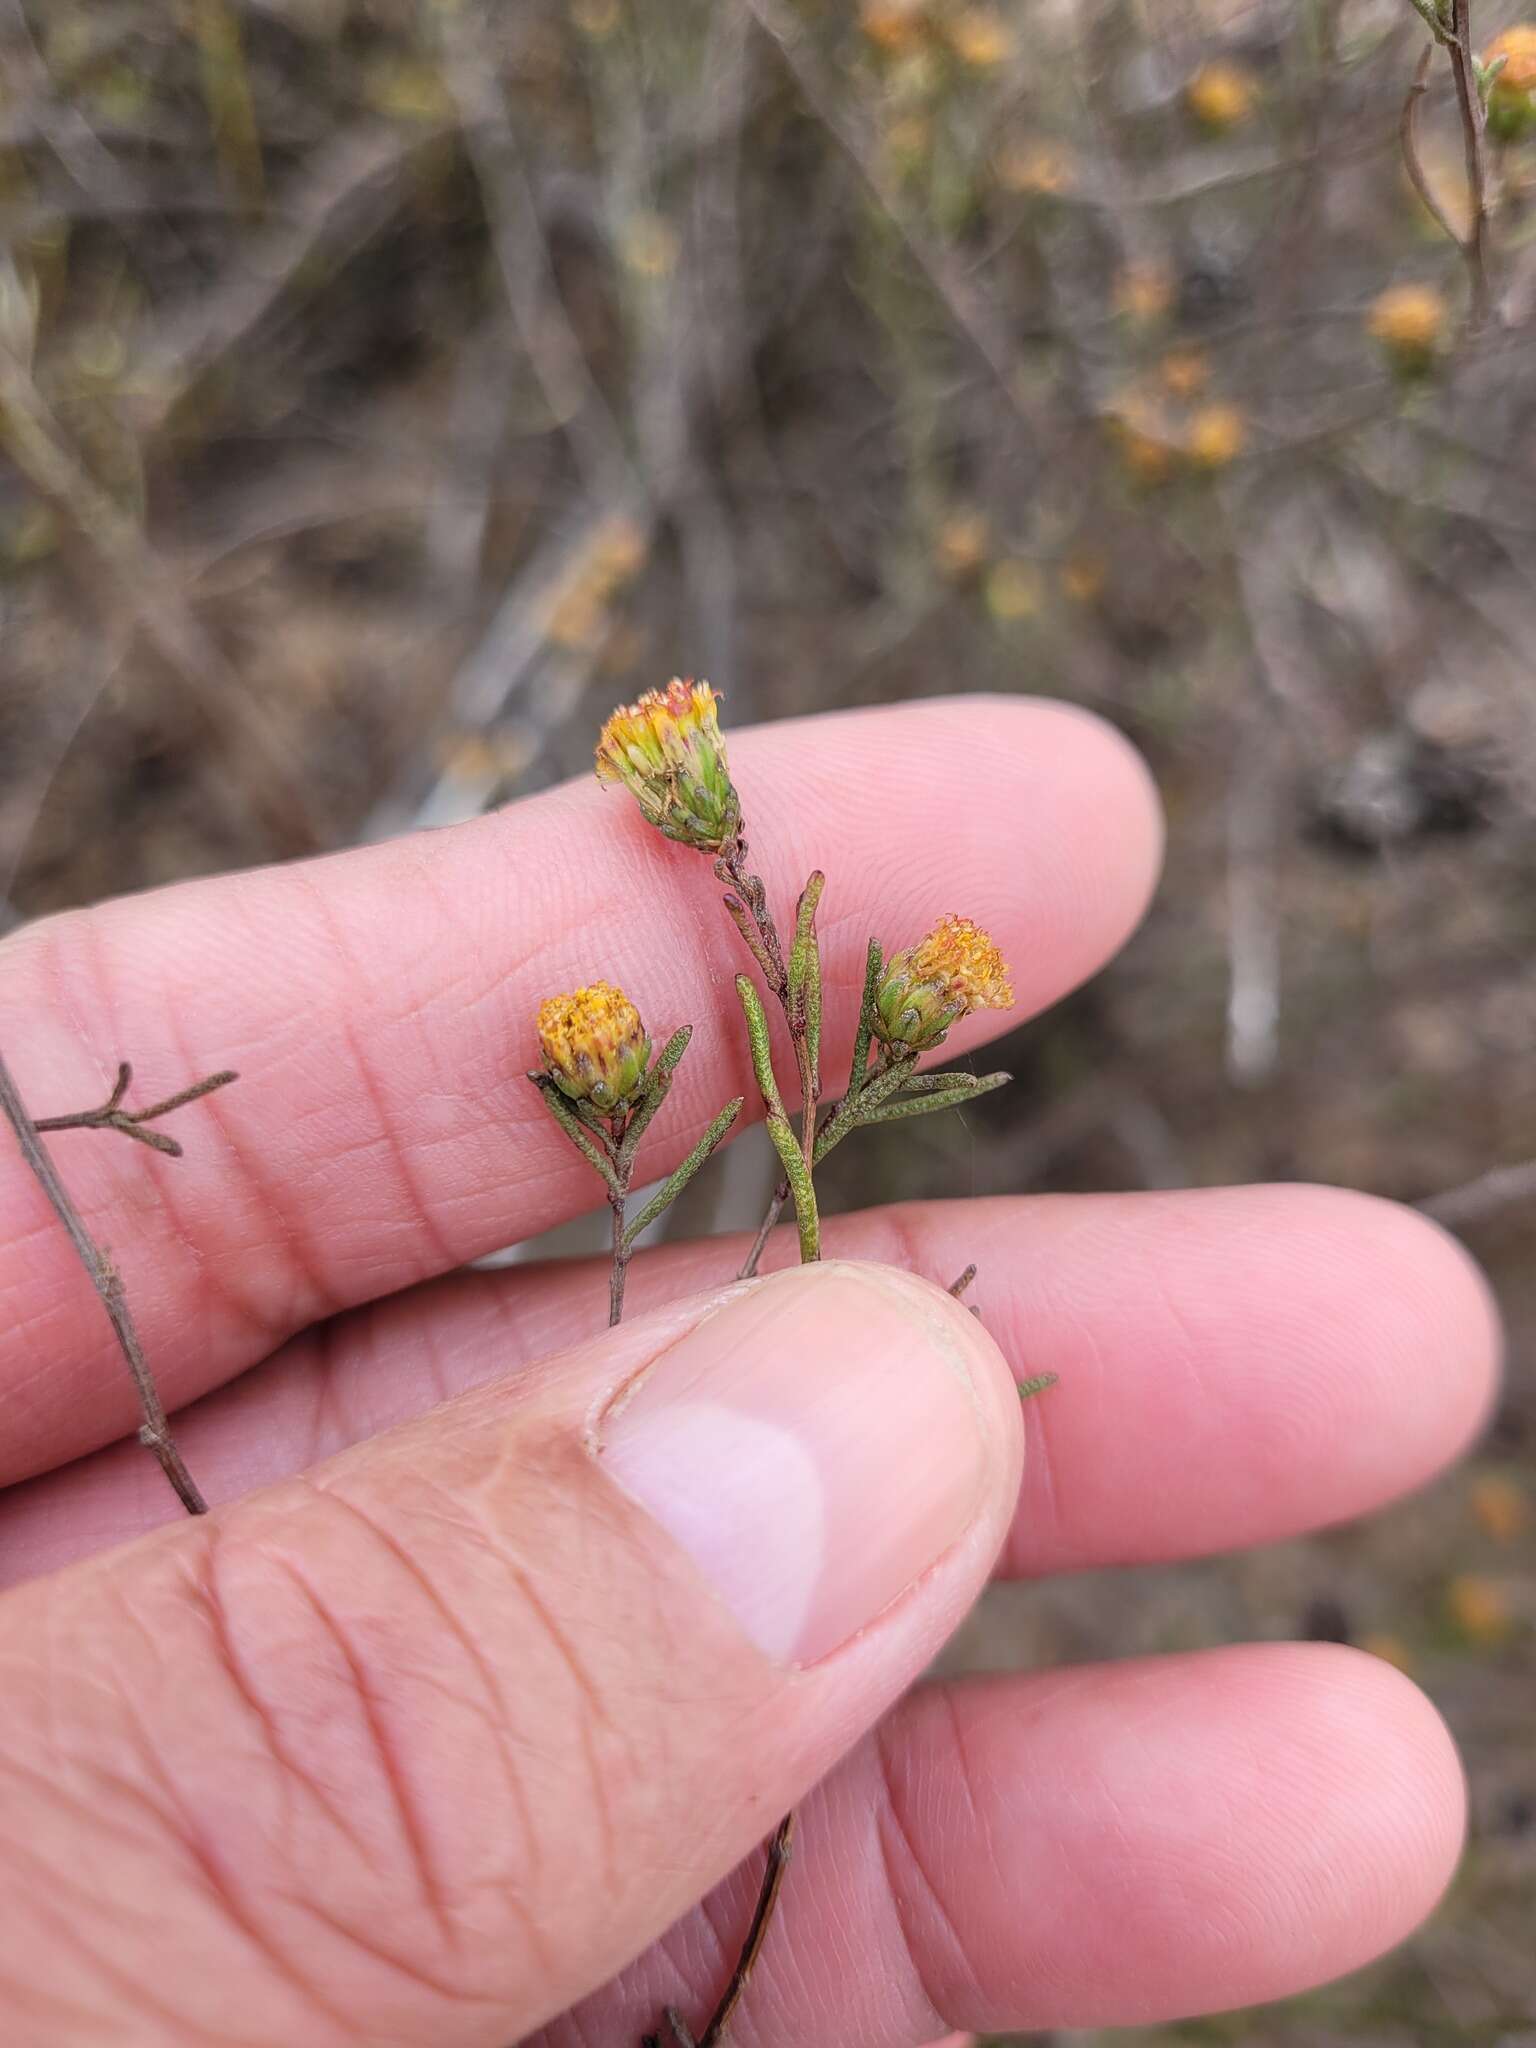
(757,1038)
(924,1105)
(564,1115)
(803,983)
(874,959)
(952,1078)
(677,1180)
(804,942)
(813,1021)
(658,1083)
(1037,1385)
(779,1130)
(858,1109)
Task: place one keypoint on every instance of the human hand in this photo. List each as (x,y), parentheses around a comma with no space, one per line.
(424,1746)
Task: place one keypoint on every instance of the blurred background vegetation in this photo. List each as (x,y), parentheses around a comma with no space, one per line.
(386,388)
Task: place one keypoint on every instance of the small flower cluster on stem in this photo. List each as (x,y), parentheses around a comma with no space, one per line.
(602,1088)
(908,1005)
(667,750)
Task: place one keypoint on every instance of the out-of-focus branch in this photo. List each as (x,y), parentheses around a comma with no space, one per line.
(1469,100)
(1490,1192)
(262,784)
(825,95)
(523,259)
(1413,163)
(1450,25)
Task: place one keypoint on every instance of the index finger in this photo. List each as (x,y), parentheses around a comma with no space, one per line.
(379,1006)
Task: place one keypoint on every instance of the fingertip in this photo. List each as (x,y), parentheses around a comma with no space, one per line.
(1373,1799)
(1102,851)
(1431,1336)
(979,1357)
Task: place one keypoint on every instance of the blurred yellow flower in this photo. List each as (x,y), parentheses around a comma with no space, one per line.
(576,617)
(407,90)
(650,246)
(1512,96)
(618,552)
(1409,321)
(1143,293)
(1216,436)
(1221,96)
(1389,1648)
(1145,439)
(980,37)
(1184,371)
(907,142)
(596,18)
(1517,46)
(1032,166)
(1013,591)
(1479,1608)
(895,26)
(1083,577)
(960,545)
(1501,1507)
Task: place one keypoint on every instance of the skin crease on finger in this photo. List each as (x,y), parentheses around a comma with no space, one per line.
(1297,1355)
(379,1007)
(1111,1845)
(416,1749)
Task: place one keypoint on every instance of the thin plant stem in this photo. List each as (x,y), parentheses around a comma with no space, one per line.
(155,1431)
(618,1194)
(780,1848)
(765,1230)
(1469,101)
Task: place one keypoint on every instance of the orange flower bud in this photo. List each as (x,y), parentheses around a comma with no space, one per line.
(594,1046)
(956,969)
(667,751)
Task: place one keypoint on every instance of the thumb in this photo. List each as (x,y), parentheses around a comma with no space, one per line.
(425,1745)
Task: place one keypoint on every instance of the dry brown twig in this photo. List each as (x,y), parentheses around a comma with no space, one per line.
(1450,24)
(155,1431)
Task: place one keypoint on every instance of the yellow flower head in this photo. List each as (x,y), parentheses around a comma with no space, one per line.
(957,968)
(1408,320)
(667,751)
(1221,96)
(1512,96)
(594,1046)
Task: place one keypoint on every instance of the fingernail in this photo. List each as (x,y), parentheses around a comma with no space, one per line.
(814,1445)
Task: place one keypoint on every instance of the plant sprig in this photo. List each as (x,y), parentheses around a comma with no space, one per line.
(667,751)
(602,1088)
